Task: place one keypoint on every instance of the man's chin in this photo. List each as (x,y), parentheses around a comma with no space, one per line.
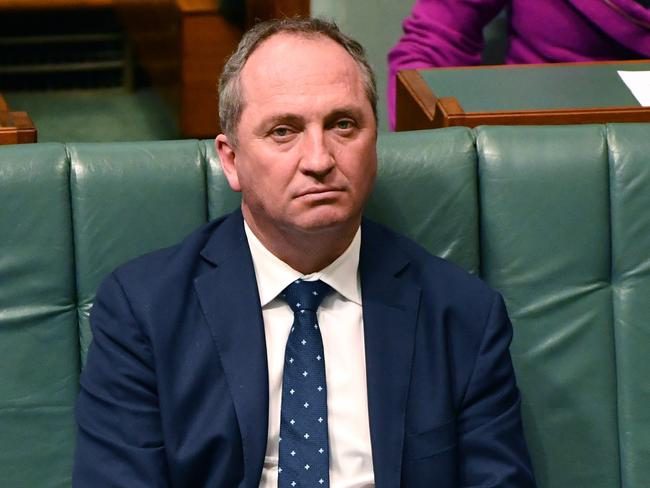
(326,221)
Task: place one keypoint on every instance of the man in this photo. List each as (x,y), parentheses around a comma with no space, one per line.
(291,343)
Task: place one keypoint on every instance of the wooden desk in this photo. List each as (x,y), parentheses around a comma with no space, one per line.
(15,127)
(543,94)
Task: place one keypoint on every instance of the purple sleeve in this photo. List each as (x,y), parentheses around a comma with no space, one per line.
(440,33)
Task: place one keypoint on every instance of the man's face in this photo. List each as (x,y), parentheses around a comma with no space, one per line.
(306,158)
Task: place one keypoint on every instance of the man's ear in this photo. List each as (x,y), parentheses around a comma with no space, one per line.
(227,158)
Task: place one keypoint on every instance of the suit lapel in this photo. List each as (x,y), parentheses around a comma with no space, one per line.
(230,302)
(390,304)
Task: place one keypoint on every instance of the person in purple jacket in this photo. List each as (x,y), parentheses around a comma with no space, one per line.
(450,33)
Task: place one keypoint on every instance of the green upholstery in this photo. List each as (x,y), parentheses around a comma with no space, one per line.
(39,361)
(148,196)
(411,198)
(556,218)
(545,245)
(629,180)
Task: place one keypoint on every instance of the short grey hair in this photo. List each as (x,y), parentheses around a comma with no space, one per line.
(231,102)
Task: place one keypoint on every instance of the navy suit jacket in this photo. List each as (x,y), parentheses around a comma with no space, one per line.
(175,388)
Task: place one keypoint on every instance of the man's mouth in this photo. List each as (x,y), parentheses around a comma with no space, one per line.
(319,191)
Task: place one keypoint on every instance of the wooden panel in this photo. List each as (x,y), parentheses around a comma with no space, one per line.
(207,41)
(257,10)
(153,28)
(183,45)
(197,6)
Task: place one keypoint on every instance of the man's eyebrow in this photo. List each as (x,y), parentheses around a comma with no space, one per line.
(350,110)
(282,118)
(295,119)
(347,111)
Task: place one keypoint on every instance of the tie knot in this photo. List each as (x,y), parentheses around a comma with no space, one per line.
(305,295)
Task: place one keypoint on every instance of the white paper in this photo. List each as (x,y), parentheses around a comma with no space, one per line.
(639,84)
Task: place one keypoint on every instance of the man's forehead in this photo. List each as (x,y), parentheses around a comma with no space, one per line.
(289,59)
(282,42)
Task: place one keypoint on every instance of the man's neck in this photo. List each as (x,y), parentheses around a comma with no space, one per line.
(306,252)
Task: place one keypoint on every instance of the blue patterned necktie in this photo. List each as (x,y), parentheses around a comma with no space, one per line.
(304,445)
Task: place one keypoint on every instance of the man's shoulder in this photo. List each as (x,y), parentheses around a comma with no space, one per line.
(179,263)
(429,271)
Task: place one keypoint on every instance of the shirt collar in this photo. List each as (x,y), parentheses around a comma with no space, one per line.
(274,275)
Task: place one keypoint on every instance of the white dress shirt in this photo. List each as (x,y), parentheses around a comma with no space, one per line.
(341,324)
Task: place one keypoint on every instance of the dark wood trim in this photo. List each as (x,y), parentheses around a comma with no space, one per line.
(552,117)
(416,104)
(15,127)
(19,129)
(449,110)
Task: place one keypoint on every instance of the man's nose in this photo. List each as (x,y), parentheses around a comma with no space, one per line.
(317,157)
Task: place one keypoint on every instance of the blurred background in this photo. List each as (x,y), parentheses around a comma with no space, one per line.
(118,70)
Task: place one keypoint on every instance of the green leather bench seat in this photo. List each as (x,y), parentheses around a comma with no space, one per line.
(546,246)
(629,157)
(39,353)
(128,199)
(556,218)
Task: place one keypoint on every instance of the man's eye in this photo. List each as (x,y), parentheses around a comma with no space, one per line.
(344,124)
(281,132)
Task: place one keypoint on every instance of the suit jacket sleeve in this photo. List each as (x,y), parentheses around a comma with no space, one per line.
(492,449)
(119,435)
